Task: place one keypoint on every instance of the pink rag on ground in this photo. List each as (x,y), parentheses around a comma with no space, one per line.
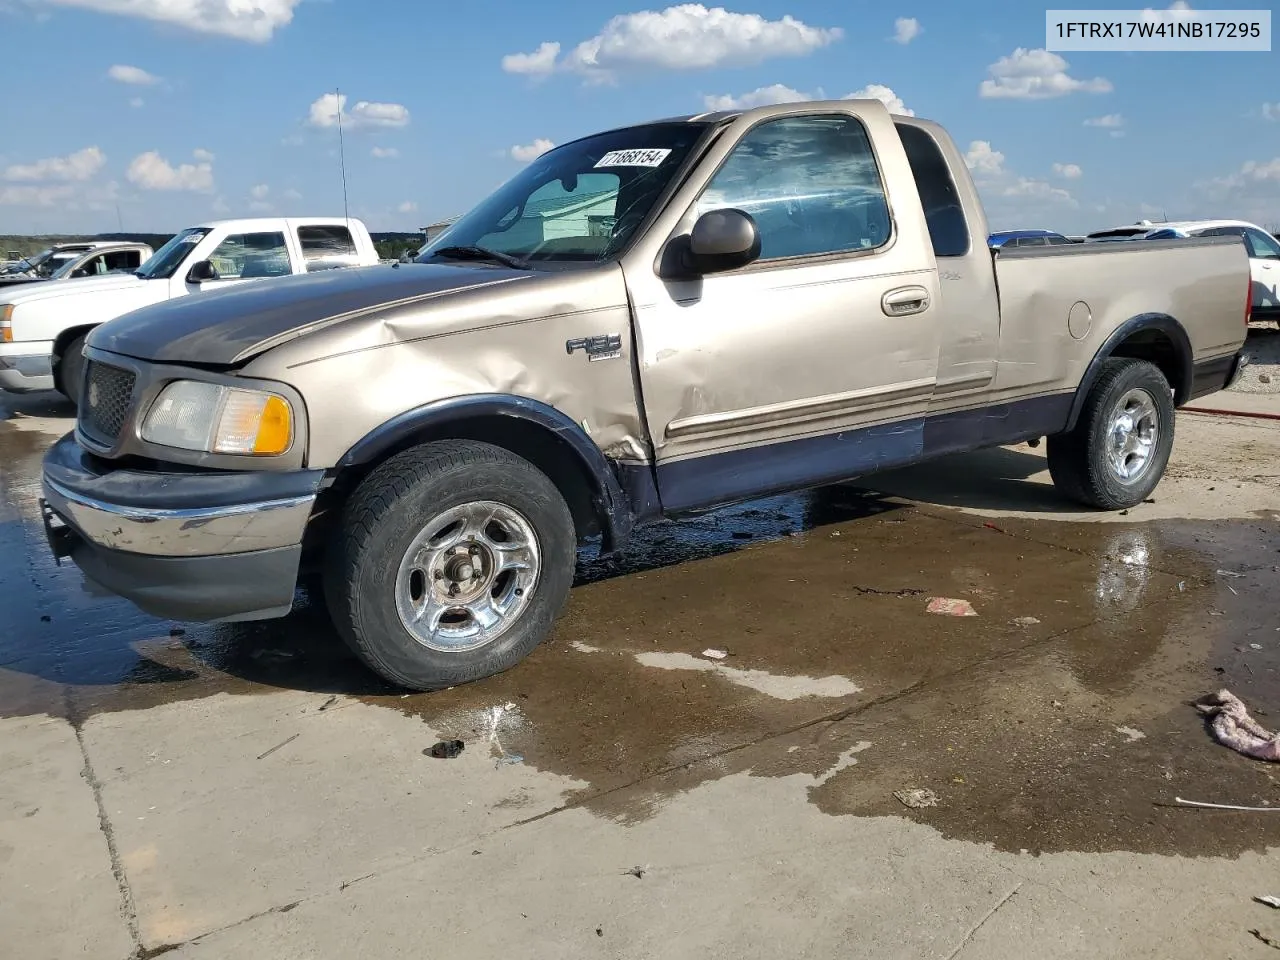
(1234,728)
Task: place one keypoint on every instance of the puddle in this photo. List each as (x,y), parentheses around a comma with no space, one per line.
(770,684)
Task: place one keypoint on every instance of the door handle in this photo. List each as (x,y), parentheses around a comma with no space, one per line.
(903,301)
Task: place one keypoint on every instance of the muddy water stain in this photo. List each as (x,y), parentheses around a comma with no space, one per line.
(596,713)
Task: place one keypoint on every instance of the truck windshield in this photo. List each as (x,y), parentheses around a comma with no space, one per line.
(581,202)
(165,261)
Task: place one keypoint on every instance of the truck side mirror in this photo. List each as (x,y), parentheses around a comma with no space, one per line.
(722,240)
(201,272)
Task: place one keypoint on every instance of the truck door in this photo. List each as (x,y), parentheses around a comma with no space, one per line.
(236,258)
(816,362)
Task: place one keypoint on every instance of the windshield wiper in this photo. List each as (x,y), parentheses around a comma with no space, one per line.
(472,252)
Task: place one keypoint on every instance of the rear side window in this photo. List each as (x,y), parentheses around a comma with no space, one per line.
(948,229)
(324,244)
(1261,246)
(124,260)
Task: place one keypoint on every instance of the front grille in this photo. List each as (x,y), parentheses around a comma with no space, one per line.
(104,402)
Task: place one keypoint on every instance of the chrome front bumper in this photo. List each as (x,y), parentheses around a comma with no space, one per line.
(26,372)
(189,546)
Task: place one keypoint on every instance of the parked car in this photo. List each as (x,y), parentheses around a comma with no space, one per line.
(1025,238)
(43,327)
(643,323)
(45,263)
(100,261)
(1127,232)
(1264,256)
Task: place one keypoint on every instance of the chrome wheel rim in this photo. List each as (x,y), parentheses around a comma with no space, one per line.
(1132,434)
(467,576)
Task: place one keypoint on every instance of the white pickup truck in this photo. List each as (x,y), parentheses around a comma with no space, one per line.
(43,326)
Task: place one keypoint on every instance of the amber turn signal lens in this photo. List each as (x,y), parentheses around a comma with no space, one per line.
(275,430)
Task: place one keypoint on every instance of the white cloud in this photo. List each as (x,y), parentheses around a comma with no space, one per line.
(1271,111)
(542,61)
(36,196)
(1068,171)
(251,20)
(1035,75)
(260,206)
(153,172)
(64,196)
(81,165)
(1025,187)
(292,140)
(1252,173)
(906,29)
(407,207)
(1008,196)
(1110,121)
(384,153)
(136,102)
(292,194)
(135,76)
(326,109)
(531,151)
(982,159)
(204,156)
(778,93)
(1180,9)
(220,207)
(760,97)
(688,36)
(878,91)
(260,191)
(1252,192)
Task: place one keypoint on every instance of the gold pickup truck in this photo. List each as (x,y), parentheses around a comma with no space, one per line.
(642,323)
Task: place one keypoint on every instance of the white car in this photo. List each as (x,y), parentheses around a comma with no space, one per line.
(1264,256)
(43,325)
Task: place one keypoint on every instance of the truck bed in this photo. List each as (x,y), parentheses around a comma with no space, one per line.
(1058,304)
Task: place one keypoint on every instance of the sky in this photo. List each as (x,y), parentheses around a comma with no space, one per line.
(152,115)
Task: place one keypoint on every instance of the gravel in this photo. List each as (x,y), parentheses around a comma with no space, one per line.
(1262,361)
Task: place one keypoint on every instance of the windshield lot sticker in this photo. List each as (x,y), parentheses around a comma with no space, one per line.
(633,158)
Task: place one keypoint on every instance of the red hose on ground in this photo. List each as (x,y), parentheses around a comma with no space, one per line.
(1233,413)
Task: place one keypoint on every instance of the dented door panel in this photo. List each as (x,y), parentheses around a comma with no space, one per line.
(734,367)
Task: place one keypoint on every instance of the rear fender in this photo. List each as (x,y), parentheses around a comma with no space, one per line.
(1157,337)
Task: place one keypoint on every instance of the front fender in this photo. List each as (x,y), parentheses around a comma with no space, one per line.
(612,507)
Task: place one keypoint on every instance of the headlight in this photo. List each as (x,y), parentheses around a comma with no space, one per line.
(207,417)
(6,323)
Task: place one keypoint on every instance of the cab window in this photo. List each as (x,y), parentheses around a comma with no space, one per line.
(811,183)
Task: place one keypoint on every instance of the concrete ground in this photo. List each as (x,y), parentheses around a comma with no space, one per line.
(250,792)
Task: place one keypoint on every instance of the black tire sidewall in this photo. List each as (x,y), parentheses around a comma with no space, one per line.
(1134,375)
(71,370)
(383,640)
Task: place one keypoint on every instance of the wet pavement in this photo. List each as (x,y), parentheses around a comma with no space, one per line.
(1057,720)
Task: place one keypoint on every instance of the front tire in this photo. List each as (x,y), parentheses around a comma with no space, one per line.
(70,378)
(452,562)
(1120,447)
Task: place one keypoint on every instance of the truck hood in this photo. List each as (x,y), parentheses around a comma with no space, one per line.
(232,325)
(44,290)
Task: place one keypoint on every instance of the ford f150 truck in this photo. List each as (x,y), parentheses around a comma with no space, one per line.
(643,323)
(43,326)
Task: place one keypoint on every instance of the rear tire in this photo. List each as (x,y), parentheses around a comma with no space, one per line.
(1120,447)
(451,564)
(70,377)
